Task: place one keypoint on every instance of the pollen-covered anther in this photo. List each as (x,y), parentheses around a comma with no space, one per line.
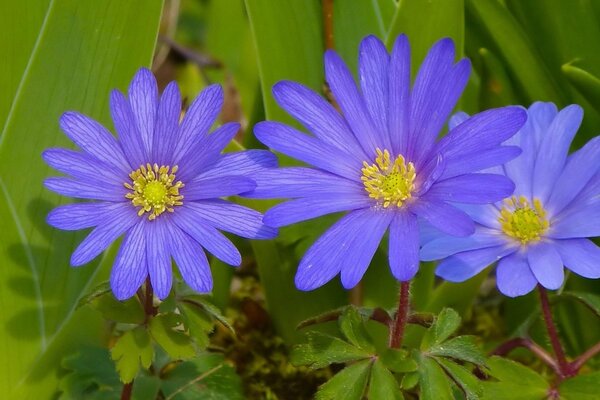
(391,183)
(154,190)
(523,221)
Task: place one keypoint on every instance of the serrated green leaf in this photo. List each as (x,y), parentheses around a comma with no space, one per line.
(164,330)
(446,323)
(410,380)
(98,291)
(460,348)
(198,324)
(433,382)
(383,385)
(213,311)
(349,382)
(515,381)
(582,387)
(128,311)
(353,327)
(132,349)
(590,300)
(91,369)
(468,383)
(322,350)
(398,360)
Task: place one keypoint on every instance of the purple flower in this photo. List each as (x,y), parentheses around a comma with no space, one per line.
(381,161)
(544,226)
(159,184)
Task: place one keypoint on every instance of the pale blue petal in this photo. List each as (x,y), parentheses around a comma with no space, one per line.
(472,188)
(404,246)
(581,256)
(444,217)
(514,277)
(444,245)
(546,264)
(465,265)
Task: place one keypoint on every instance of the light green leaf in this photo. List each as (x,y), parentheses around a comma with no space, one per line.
(446,323)
(82,51)
(497,89)
(461,348)
(202,303)
(132,349)
(516,382)
(584,82)
(433,382)
(198,324)
(164,329)
(128,311)
(469,384)
(351,381)
(397,360)
(582,387)
(410,380)
(322,350)
(353,327)
(383,385)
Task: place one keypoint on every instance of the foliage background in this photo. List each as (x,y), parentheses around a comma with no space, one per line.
(67,55)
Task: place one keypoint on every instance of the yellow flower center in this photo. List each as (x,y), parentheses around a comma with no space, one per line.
(391,183)
(153,190)
(523,222)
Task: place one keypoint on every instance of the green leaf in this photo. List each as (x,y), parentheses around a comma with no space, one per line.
(587,84)
(410,380)
(206,377)
(198,324)
(82,50)
(397,360)
(322,350)
(128,311)
(469,384)
(383,385)
(516,382)
(590,300)
(461,348)
(433,382)
(446,323)
(582,387)
(353,327)
(91,369)
(132,349)
(210,309)
(351,381)
(164,329)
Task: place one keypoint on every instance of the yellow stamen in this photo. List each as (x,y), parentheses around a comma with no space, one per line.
(153,190)
(389,183)
(523,222)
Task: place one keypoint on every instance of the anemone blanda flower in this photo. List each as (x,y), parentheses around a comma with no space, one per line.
(380,162)
(545,225)
(159,184)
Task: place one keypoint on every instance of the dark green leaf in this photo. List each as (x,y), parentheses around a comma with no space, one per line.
(433,382)
(516,382)
(582,387)
(166,330)
(322,350)
(198,324)
(496,86)
(383,385)
(213,311)
(398,361)
(469,384)
(353,327)
(128,311)
(590,300)
(90,370)
(446,324)
(132,349)
(460,348)
(98,291)
(349,382)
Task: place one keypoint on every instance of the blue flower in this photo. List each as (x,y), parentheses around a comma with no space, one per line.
(381,161)
(159,185)
(544,226)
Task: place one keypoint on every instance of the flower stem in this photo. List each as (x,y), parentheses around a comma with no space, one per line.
(529,344)
(582,359)
(565,369)
(126,392)
(327,10)
(399,323)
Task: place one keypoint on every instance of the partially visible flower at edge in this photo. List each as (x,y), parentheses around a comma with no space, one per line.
(380,161)
(159,184)
(545,225)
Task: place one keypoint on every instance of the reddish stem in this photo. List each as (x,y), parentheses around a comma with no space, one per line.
(327,11)
(542,354)
(126,392)
(582,359)
(397,329)
(149,308)
(565,369)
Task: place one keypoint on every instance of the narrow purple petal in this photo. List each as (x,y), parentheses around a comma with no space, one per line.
(546,265)
(159,258)
(307,208)
(444,217)
(352,104)
(167,124)
(373,64)
(465,265)
(457,119)
(209,237)
(86,190)
(192,261)
(198,119)
(205,151)
(143,98)
(484,214)
(553,151)
(482,160)
(399,95)
(348,246)
(72,217)
(444,245)
(317,115)
(472,188)
(83,166)
(404,246)
(114,225)
(126,127)
(219,186)
(248,163)
(303,182)
(514,277)
(581,256)
(94,139)
(296,144)
(129,270)
(232,218)
(577,222)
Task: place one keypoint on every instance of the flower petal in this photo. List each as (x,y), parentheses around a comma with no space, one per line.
(218,186)
(399,95)
(444,217)
(482,160)
(514,277)
(472,188)
(233,218)
(143,97)
(467,264)
(192,261)
(126,127)
(546,265)
(72,217)
(159,258)
(248,162)
(581,256)
(167,124)
(444,245)
(86,190)
(348,246)
(83,166)
(115,224)
(373,63)
(404,246)
(577,222)
(130,269)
